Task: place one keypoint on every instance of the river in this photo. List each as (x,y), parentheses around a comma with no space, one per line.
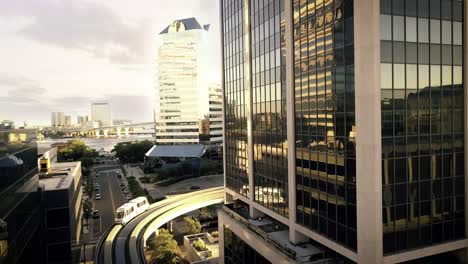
(107,143)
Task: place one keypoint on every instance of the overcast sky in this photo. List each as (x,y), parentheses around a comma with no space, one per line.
(59,55)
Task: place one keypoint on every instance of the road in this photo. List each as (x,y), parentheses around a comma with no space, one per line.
(122,244)
(111,199)
(204,182)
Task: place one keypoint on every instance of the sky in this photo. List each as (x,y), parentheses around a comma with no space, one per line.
(60,55)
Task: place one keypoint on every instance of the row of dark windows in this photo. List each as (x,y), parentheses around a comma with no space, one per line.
(324,107)
(422,123)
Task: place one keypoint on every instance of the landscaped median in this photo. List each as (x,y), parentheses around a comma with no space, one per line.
(137,190)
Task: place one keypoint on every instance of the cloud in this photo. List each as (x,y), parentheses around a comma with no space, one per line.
(82,25)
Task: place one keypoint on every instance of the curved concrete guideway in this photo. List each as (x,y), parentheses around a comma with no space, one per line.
(195,203)
(121,243)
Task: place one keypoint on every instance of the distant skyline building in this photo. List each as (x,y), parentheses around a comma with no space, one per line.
(68,121)
(182,86)
(345,131)
(82,119)
(7,124)
(101,112)
(57,119)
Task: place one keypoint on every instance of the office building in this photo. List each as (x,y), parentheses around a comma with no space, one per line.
(215,116)
(7,124)
(182,88)
(344,130)
(100,112)
(21,217)
(62,203)
(68,121)
(57,119)
(81,120)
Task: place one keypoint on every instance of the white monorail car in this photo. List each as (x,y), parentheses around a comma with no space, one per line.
(130,210)
(141,204)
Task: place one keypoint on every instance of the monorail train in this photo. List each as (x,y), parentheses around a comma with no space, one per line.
(130,210)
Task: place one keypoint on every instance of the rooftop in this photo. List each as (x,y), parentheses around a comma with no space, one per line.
(176,151)
(277,234)
(60,176)
(184,25)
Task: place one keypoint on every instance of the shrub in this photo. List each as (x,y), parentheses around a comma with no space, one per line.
(191,226)
(165,248)
(199,245)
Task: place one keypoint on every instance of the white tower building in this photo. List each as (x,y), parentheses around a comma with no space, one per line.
(100,112)
(182,89)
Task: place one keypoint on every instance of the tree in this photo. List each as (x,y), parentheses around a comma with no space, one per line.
(191,226)
(75,150)
(89,187)
(165,249)
(207,212)
(87,209)
(132,151)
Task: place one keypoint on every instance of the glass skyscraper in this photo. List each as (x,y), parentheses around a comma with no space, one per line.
(186,106)
(345,123)
(21,226)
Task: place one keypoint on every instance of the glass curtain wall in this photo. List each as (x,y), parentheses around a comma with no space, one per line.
(325,118)
(236,251)
(235,99)
(269,104)
(422,122)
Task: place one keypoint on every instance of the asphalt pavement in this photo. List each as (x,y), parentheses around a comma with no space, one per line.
(111,199)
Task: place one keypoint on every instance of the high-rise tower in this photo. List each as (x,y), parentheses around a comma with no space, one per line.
(183,92)
(344,129)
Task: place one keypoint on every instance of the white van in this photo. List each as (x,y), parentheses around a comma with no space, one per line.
(141,204)
(125,213)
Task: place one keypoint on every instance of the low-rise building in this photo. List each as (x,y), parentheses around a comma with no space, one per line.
(62,203)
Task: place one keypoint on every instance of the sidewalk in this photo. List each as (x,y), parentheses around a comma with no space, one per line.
(138,173)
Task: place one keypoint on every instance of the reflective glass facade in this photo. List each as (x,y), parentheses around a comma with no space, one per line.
(324,118)
(422,122)
(236,251)
(235,126)
(269,104)
(20,198)
(182,107)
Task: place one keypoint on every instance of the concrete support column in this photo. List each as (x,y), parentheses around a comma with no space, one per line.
(248,101)
(465,105)
(368,131)
(228,199)
(127,131)
(255,213)
(294,236)
(221,22)
(119,131)
(106,132)
(97,133)
(221,236)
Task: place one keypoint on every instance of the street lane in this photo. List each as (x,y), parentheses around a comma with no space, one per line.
(111,199)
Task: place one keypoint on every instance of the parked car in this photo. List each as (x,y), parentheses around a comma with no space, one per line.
(128,197)
(125,191)
(122,184)
(96,214)
(97,196)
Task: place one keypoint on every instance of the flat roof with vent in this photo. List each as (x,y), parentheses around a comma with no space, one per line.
(60,176)
(176,151)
